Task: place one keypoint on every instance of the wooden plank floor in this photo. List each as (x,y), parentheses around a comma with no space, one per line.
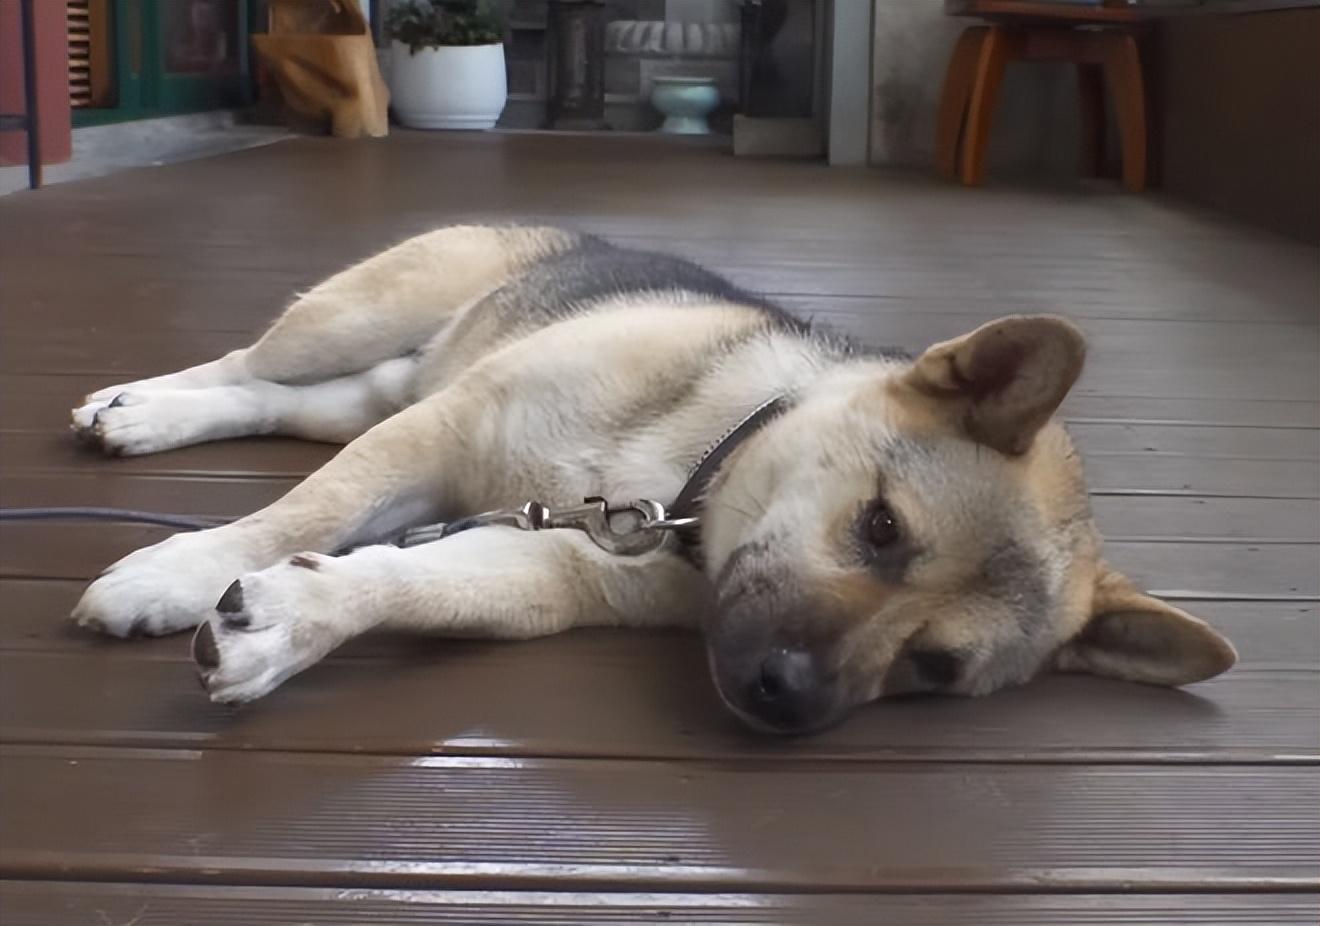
(593,777)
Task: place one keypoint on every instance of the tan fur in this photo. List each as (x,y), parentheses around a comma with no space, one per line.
(1139,638)
(1003,381)
(409,301)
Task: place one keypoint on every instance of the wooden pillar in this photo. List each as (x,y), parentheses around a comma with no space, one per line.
(576,59)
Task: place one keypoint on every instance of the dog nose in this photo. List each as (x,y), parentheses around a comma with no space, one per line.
(787,688)
(785,674)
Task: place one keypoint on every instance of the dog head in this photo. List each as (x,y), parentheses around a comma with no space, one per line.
(924,526)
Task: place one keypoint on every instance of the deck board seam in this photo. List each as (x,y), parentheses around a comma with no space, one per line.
(823,762)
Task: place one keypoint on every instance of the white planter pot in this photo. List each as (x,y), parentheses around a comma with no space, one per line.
(448,88)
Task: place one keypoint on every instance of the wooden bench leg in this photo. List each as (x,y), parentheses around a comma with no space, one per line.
(981,108)
(953,99)
(1122,67)
(1091,108)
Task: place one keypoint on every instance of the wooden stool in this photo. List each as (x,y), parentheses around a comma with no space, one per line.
(1100,40)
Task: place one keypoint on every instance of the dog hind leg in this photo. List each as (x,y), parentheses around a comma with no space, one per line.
(381,309)
(226,371)
(338,410)
(392,304)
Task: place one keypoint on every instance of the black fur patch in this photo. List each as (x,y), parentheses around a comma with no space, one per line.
(1017,576)
(844,347)
(595,271)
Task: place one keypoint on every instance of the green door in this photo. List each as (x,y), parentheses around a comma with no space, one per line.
(201,53)
(176,56)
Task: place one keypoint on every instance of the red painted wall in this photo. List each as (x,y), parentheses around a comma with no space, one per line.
(52,81)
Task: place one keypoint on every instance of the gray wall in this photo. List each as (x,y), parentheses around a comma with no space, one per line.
(1035,129)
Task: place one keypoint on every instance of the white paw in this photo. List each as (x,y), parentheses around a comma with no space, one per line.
(271,625)
(132,423)
(84,418)
(161,589)
(107,395)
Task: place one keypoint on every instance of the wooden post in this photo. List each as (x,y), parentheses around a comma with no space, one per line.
(576,62)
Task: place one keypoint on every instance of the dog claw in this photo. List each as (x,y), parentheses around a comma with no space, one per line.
(231,602)
(94,624)
(204,650)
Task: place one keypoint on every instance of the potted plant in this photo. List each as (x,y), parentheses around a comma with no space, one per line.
(447,64)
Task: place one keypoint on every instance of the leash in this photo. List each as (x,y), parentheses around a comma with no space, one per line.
(186,522)
(628,530)
(632,529)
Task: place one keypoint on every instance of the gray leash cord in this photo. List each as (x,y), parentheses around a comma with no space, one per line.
(183,522)
(123,515)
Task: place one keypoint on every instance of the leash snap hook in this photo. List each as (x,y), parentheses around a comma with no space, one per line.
(638,527)
(620,530)
(656,518)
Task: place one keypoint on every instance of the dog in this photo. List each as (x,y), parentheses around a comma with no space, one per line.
(900,524)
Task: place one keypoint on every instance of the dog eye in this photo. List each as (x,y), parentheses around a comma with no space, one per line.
(937,666)
(879,526)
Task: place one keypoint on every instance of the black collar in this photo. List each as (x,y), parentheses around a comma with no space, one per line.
(690,497)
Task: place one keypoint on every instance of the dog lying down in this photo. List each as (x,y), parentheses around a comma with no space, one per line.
(897,525)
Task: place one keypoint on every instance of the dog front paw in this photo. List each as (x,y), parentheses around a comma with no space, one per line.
(269,626)
(158,590)
(82,420)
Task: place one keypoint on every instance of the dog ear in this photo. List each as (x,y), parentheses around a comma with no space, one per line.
(1138,638)
(1003,381)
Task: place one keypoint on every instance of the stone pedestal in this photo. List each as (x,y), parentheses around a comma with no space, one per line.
(576,53)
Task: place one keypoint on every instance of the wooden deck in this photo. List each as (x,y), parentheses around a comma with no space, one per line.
(593,778)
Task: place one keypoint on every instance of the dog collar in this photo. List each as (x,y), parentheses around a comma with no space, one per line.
(689,498)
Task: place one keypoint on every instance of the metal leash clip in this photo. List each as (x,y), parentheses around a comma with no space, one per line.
(627,530)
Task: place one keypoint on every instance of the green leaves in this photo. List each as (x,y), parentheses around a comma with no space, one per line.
(432,23)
